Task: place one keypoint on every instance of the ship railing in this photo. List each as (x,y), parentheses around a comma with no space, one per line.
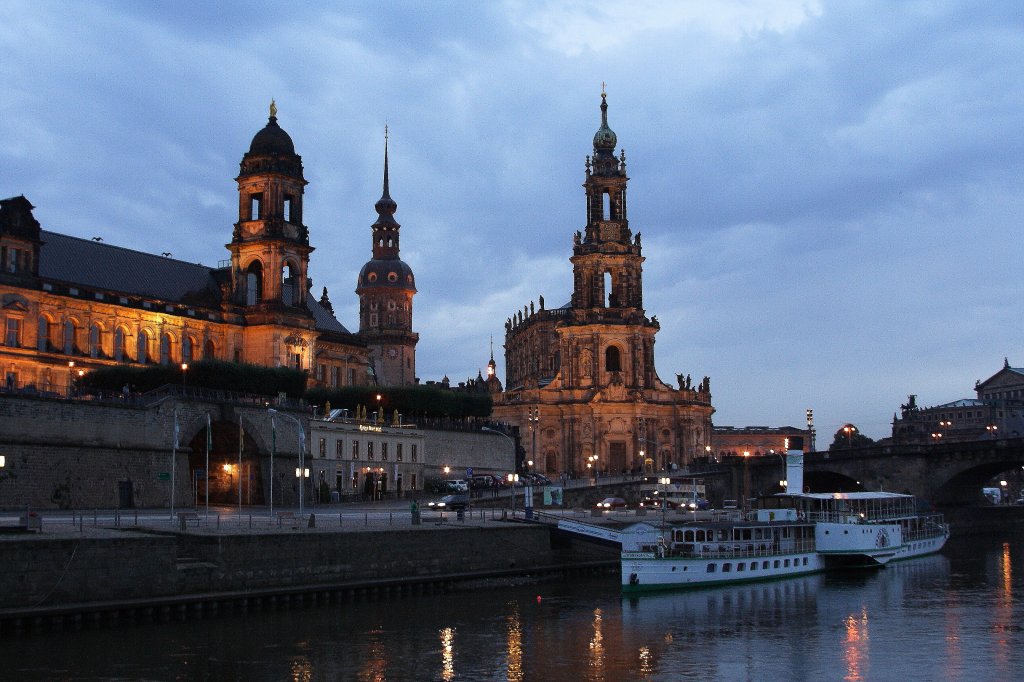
(742,549)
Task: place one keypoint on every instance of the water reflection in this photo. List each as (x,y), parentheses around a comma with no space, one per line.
(944,617)
(374,668)
(447,654)
(596,659)
(855,649)
(514,645)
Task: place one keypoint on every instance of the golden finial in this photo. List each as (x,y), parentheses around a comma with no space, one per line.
(273,109)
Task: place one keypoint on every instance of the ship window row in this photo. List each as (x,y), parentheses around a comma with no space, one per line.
(727,567)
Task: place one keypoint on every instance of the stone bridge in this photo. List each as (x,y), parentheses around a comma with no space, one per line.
(947,474)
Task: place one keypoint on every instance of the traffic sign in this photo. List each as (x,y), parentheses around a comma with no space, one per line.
(163,476)
(469,472)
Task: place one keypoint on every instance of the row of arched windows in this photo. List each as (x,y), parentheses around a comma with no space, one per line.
(149,347)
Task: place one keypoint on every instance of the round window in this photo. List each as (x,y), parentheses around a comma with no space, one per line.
(372,277)
(392,276)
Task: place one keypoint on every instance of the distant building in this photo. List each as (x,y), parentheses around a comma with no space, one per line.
(757,440)
(997,410)
(580,379)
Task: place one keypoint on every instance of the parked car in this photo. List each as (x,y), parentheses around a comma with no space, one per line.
(536,479)
(458,485)
(450,503)
(484,482)
(610,503)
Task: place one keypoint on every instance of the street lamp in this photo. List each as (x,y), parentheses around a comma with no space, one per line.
(71,379)
(992,428)
(515,449)
(849,430)
(534,420)
(664,482)
(184,369)
(936,437)
(302,458)
(512,480)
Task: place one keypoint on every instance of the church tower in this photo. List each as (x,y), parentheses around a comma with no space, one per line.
(385,288)
(583,375)
(611,335)
(270,251)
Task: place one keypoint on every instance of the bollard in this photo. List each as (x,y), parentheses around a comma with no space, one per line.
(136,517)
(366,519)
(218,521)
(391,519)
(250,521)
(312,521)
(95,514)
(339,519)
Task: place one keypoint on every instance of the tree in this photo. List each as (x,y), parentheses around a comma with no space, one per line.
(849,436)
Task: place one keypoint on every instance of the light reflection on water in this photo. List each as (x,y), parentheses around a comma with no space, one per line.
(951,616)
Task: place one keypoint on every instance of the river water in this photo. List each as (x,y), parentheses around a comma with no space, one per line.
(953,616)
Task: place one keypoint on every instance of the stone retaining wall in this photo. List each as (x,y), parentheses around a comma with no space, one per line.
(41,572)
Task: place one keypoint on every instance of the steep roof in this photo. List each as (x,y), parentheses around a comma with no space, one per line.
(116,269)
(94,265)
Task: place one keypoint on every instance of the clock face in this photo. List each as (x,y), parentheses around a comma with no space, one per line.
(392,353)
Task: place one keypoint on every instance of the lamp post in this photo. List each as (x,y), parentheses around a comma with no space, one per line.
(664,482)
(512,480)
(534,420)
(592,464)
(849,430)
(71,377)
(184,370)
(991,428)
(302,458)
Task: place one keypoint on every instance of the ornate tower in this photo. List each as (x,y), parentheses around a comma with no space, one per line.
(270,251)
(583,375)
(607,281)
(385,288)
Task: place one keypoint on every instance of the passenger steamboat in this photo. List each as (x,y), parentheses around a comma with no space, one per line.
(789,534)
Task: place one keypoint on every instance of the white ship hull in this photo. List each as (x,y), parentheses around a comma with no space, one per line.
(646,571)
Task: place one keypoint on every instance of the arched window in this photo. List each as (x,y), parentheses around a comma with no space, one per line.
(95,336)
(186,348)
(165,348)
(612,362)
(254,283)
(209,351)
(289,285)
(119,349)
(43,339)
(69,337)
(143,347)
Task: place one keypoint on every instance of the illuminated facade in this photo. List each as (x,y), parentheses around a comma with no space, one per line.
(68,305)
(580,380)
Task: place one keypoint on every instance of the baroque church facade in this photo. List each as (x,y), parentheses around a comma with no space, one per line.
(580,380)
(69,305)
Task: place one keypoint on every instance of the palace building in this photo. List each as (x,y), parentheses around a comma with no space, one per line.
(68,305)
(580,379)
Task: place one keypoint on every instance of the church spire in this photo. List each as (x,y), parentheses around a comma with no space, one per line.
(385,230)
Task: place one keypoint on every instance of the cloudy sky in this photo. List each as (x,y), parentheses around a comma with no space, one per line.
(830,193)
